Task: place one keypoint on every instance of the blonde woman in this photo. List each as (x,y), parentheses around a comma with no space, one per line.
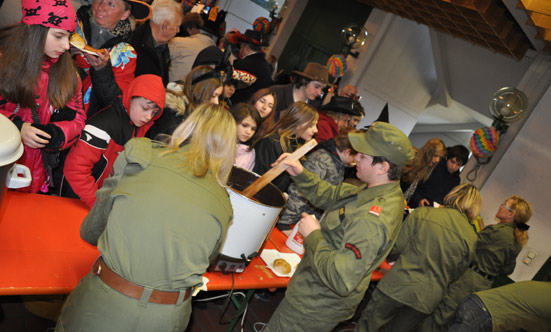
(421,167)
(434,247)
(296,126)
(496,253)
(158,222)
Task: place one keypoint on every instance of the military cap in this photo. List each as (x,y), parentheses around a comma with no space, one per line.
(383,140)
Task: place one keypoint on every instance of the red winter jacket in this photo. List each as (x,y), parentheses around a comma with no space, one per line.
(91,160)
(71,127)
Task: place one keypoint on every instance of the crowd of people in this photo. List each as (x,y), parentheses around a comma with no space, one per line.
(145,124)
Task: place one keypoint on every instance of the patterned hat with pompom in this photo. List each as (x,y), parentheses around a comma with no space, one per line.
(262,24)
(336,65)
(484,142)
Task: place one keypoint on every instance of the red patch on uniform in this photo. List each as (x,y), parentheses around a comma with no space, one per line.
(375,210)
(354,249)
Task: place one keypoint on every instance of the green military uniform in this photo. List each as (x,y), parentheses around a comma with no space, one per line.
(524,304)
(162,228)
(495,255)
(435,246)
(356,233)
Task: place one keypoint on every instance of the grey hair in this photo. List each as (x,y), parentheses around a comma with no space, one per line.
(167,10)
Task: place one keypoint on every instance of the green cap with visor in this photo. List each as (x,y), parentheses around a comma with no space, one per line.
(383,140)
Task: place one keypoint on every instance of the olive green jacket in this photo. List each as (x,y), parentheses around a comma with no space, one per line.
(497,249)
(154,222)
(357,232)
(496,254)
(434,248)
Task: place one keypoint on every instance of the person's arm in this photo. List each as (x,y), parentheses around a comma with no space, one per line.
(418,198)
(342,269)
(115,75)
(95,222)
(31,136)
(406,233)
(320,193)
(123,62)
(81,160)
(104,85)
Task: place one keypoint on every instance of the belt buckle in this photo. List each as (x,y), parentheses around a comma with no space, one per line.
(98,264)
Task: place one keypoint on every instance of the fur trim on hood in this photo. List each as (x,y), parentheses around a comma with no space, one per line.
(177,102)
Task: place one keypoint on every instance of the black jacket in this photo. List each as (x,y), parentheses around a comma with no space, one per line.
(151,59)
(437,186)
(267,150)
(257,65)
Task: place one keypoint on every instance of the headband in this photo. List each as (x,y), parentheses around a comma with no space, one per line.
(206,76)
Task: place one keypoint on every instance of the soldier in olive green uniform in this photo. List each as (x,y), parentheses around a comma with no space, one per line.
(521,305)
(496,253)
(434,247)
(352,238)
(158,226)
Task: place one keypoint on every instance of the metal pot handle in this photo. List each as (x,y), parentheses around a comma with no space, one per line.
(14,180)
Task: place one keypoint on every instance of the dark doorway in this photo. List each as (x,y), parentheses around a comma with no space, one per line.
(317,34)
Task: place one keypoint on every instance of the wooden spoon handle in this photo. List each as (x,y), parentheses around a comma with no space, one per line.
(273,172)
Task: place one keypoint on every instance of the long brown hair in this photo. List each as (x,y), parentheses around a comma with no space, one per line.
(22,55)
(270,119)
(418,169)
(296,115)
(199,90)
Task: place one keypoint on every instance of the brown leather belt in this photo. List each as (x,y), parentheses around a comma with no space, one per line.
(132,290)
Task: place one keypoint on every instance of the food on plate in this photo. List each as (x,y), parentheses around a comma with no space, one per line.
(282,266)
(79,42)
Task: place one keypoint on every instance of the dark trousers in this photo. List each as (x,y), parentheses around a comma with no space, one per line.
(472,316)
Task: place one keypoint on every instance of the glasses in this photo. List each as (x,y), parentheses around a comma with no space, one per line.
(508,208)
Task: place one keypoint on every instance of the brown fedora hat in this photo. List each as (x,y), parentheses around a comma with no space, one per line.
(315,72)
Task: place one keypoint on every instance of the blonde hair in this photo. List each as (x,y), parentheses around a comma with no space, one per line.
(466,199)
(522,210)
(298,114)
(418,169)
(207,132)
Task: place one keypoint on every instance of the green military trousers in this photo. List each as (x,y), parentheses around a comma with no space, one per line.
(383,310)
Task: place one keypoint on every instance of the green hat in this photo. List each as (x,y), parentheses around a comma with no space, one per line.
(383,140)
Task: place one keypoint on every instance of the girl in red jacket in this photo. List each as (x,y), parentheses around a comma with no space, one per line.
(40,87)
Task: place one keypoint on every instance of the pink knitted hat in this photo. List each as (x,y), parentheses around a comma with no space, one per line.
(58,14)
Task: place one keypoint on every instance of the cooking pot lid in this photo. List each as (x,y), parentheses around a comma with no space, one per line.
(11,147)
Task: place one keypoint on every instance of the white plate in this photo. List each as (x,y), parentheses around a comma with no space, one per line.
(270,255)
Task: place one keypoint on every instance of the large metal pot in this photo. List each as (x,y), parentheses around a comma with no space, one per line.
(11,175)
(253,221)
